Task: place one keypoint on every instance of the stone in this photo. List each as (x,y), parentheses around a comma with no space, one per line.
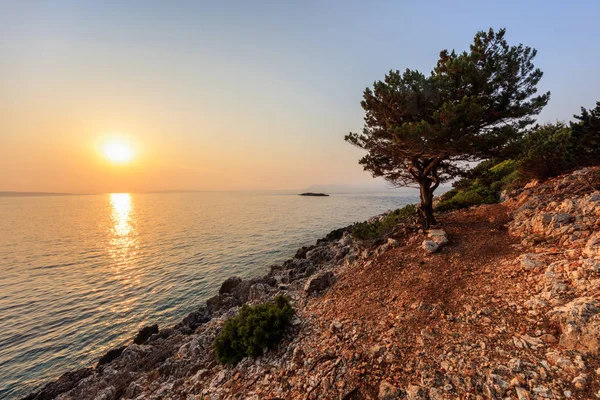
(415,392)
(531,261)
(430,246)
(341,252)
(145,333)
(107,393)
(387,391)
(436,238)
(301,252)
(230,284)
(258,292)
(320,255)
(592,247)
(393,242)
(580,323)
(522,394)
(580,382)
(66,382)
(346,239)
(133,390)
(110,355)
(542,391)
(196,318)
(561,219)
(319,282)
(298,356)
(377,351)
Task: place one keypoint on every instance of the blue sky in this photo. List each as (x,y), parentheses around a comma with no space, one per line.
(240,95)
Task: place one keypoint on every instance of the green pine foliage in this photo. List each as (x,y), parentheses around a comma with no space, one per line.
(426,129)
(546,152)
(252,330)
(585,137)
(483,186)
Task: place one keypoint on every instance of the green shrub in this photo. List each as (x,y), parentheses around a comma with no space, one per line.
(497,186)
(585,137)
(546,152)
(252,330)
(366,230)
(503,169)
(379,229)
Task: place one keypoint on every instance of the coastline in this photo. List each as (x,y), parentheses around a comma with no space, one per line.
(507,308)
(313,263)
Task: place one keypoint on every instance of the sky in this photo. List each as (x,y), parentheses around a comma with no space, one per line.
(239,95)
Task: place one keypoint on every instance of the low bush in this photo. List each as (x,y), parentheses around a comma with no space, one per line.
(475,194)
(546,152)
(585,137)
(385,226)
(483,185)
(252,330)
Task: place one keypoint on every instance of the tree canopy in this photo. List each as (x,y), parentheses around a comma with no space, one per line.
(423,130)
(585,132)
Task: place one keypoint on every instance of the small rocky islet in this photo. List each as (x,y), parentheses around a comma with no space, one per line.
(500,301)
(311,194)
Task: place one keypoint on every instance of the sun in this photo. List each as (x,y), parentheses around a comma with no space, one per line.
(118,152)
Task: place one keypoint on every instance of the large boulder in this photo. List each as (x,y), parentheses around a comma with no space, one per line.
(436,238)
(319,282)
(145,333)
(230,284)
(320,255)
(221,303)
(580,323)
(63,384)
(196,318)
(110,355)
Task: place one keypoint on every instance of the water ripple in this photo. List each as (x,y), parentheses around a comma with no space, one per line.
(80,274)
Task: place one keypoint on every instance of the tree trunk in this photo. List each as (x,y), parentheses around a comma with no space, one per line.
(426,206)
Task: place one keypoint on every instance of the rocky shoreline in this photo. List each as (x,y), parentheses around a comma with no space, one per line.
(114,376)
(503,303)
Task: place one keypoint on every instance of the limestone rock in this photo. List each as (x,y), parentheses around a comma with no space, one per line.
(230,284)
(387,391)
(320,255)
(415,392)
(430,246)
(580,322)
(592,247)
(145,333)
(319,282)
(436,238)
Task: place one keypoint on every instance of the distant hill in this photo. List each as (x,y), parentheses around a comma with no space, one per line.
(32,194)
(374,187)
(360,188)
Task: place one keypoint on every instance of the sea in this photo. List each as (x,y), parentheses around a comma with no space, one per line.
(80,274)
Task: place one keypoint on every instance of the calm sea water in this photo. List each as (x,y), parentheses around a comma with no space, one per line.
(80,274)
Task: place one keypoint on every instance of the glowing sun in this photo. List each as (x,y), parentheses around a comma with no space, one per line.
(118,152)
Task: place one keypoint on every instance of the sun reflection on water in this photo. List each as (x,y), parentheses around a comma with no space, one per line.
(121,204)
(123,243)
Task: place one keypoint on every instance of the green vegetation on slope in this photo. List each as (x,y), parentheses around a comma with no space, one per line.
(381,228)
(252,330)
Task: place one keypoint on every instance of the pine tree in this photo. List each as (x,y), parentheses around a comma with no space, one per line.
(423,130)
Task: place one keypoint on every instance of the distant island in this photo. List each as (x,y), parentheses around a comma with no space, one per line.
(314,194)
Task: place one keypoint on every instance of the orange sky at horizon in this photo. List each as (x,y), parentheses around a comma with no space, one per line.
(256,96)
(58,152)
